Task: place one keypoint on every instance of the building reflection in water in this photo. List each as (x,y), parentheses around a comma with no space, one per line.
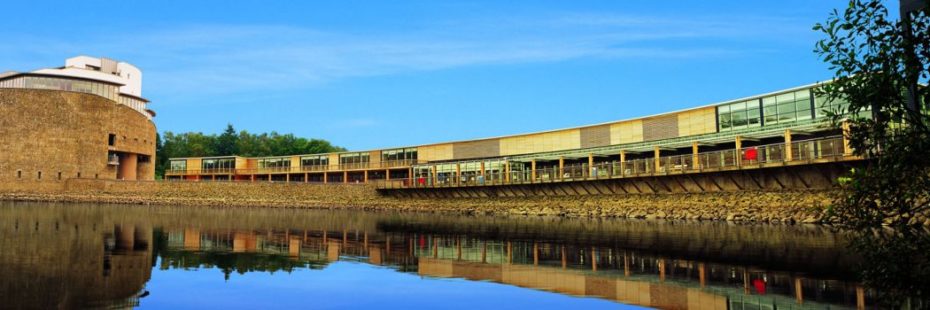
(74,256)
(51,261)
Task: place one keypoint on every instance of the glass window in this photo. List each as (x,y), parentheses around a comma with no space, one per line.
(785,108)
(178,165)
(218,163)
(738,115)
(282,162)
(321,160)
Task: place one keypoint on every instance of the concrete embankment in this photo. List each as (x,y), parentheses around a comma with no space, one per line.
(747,206)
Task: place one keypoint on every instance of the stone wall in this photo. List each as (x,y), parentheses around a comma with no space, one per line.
(744,206)
(48,136)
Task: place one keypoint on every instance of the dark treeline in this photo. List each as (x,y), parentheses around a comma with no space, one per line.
(243,143)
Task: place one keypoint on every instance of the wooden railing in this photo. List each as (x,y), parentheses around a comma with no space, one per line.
(808,151)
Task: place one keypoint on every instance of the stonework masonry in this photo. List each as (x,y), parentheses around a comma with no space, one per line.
(48,137)
(782,207)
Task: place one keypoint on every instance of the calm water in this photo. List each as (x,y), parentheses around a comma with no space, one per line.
(86,256)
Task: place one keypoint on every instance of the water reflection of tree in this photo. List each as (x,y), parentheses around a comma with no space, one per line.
(896,262)
(226,261)
(879,64)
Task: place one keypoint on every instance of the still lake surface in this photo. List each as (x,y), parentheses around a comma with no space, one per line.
(110,256)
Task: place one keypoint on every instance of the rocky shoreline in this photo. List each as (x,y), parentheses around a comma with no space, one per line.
(782,207)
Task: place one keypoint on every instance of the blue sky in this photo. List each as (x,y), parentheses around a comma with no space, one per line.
(372,74)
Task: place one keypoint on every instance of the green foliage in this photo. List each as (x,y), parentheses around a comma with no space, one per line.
(875,60)
(879,65)
(243,143)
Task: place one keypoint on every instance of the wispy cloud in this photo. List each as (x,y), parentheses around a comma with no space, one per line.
(209,59)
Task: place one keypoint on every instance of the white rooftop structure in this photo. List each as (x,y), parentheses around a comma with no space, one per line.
(101,69)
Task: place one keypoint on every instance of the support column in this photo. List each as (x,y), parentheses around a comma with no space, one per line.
(482,169)
(287,177)
(798,291)
(626,265)
(533,171)
(252,178)
(306,177)
(345,176)
(739,147)
(591,165)
(622,162)
(860,297)
(535,254)
(662,270)
(695,159)
(702,275)
(387,174)
(593,259)
(366,177)
(484,252)
(507,172)
(435,176)
(458,173)
(509,252)
(325,177)
(561,167)
(847,150)
(658,160)
(789,153)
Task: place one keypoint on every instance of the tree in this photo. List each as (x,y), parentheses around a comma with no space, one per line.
(226,143)
(243,143)
(875,60)
(878,64)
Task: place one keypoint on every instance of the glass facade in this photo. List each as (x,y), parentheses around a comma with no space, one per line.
(739,115)
(218,164)
(839,106)
(471,173)
(279,163)
(104,90)
(405,154)
(178,165)
(354,160)
(318,160)
(787,108)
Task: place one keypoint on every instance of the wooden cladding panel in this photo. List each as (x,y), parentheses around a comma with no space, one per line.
(374,156)
(194,164)
(242,163)
(595,136)
(435,152)
(476,149)
(696,122)
(542,142)
(626,132)
(660,127)
(295,162)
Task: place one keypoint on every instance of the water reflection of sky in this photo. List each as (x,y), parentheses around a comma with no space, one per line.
(74,256)
(342,285)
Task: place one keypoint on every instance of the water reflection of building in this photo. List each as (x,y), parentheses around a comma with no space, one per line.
(627,276)
(54,261)
(73,255)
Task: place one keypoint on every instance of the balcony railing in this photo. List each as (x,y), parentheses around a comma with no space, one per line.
(297,169)
(809,151)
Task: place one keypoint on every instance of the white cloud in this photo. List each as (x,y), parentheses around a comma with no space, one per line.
(197,60)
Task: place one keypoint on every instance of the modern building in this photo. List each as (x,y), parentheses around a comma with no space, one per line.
(753,129)
(87,119)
